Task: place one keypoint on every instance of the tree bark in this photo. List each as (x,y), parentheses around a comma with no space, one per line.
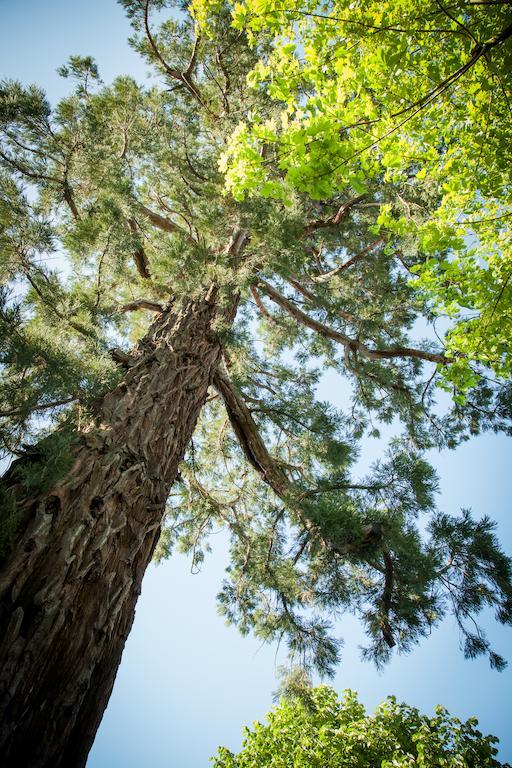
(69,587)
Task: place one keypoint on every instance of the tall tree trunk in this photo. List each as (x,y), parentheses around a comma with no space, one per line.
(68,589)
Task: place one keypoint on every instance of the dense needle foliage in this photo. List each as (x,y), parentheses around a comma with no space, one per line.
(114,206)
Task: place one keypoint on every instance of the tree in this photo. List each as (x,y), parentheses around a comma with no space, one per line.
(99,402)
(406,90)
(311,726)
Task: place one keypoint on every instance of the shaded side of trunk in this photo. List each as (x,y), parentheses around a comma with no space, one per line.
(68,590)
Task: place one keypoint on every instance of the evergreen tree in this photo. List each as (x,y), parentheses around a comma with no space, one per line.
(180,302)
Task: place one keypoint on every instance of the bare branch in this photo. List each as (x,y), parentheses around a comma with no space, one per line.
(193,58)
(225,73)
(262,308)
(237,243)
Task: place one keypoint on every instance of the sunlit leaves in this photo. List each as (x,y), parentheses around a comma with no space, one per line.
(395,91)
(313,727)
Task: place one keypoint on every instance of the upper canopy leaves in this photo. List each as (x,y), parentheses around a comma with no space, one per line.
(395,92)
(311,726)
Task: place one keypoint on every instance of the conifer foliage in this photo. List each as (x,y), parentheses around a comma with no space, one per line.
(148,312)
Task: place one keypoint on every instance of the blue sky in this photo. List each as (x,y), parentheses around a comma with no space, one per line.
(188,683)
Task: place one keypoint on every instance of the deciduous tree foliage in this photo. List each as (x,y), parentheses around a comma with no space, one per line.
(149,313)
(312,726)
(400,90)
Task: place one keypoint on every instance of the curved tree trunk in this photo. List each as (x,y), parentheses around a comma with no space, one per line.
(68,590)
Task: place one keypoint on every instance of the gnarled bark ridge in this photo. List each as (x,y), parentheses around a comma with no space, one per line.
(68,589)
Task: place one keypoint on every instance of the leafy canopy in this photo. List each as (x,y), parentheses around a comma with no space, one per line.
(398,91)
(313,727)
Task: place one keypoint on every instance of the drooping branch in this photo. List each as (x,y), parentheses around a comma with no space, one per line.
(256,452)
(386,599)
(249,437)
(352,345)
(274,475)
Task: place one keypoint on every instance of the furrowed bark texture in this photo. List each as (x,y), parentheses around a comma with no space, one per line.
(68,590)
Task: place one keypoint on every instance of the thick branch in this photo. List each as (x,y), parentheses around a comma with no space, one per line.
(70,200)
(122,358)
(139,254)
(164,223)
(134,306)
(249,437)
(237,243)
(193,58)
(352,345)
(334,220)
(256,452)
